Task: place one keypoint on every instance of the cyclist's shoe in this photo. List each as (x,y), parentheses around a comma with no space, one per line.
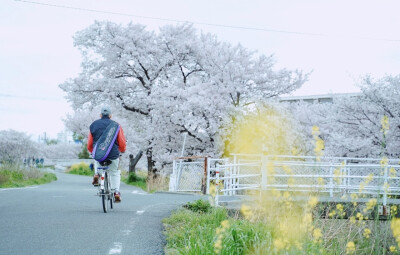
(95,181)
(117,197)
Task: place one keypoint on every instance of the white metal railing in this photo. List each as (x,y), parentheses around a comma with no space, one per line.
(337,176)
(330,177)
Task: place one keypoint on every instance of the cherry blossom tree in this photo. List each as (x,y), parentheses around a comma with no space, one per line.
(355,125)
(14,146)
(172,82)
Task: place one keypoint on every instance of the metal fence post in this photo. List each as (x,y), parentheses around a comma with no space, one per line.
(331,181)
(346,180)
(385,186)
(172,186)
(234,181)
(216,186)
(264,173)
(208,175)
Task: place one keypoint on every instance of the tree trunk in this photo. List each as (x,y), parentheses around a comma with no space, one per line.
(133,161)
(151,170)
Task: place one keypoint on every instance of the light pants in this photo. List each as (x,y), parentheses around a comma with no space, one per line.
(115,174)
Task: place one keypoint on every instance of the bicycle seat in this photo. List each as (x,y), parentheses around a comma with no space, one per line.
(106,162)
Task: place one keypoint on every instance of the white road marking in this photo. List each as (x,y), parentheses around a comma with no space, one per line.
(139,212)
(126,232)
(117,249)
(30,187)
(138,193)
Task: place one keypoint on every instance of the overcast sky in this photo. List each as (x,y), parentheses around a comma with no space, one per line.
(338,41)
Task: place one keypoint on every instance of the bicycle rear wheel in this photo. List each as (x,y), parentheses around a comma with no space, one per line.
(104,200)
(105,193)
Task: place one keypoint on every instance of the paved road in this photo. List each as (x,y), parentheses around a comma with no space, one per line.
(65,217)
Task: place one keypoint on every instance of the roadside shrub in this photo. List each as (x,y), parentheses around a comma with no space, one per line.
(3,178)
(200,206)
(135,180)
(22,178)
(133,177)
(80,169)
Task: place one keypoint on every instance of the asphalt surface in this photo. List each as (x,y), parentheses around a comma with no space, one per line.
(66,217)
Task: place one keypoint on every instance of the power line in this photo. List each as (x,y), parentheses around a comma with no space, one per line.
(200,23)
(170,20)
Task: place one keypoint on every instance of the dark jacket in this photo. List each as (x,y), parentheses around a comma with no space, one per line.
(96,130)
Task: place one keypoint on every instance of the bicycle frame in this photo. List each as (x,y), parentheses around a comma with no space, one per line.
(103,176)
(105,191)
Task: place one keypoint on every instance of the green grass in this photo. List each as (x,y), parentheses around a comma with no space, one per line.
(195,233)
(189,232)
(199,229)
(80,169)
(135,180)
(21,178)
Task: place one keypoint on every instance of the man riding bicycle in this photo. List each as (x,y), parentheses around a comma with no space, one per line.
(96,130)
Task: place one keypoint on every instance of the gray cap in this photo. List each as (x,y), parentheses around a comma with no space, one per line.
(105,111)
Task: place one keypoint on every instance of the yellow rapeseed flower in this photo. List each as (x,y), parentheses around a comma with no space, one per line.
(332,213)
(352,219)
(385,124)
(319,146)
(246,211)
(225,224)
(213,190)
(279,244)
(307,219)
(369,178)
(350,248)
(393,210)
(218,246)
(340,209)
(315,130)
(384,161)
(370,205)
(367,233)
(286,195)
(392,172)
(362,187)
(276,193)
(395,226)
(337,173)
(392,248)
(287,170)
(317,234)
(295,151)
(313,201)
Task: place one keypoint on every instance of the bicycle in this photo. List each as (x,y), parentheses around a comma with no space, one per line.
(105,192)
